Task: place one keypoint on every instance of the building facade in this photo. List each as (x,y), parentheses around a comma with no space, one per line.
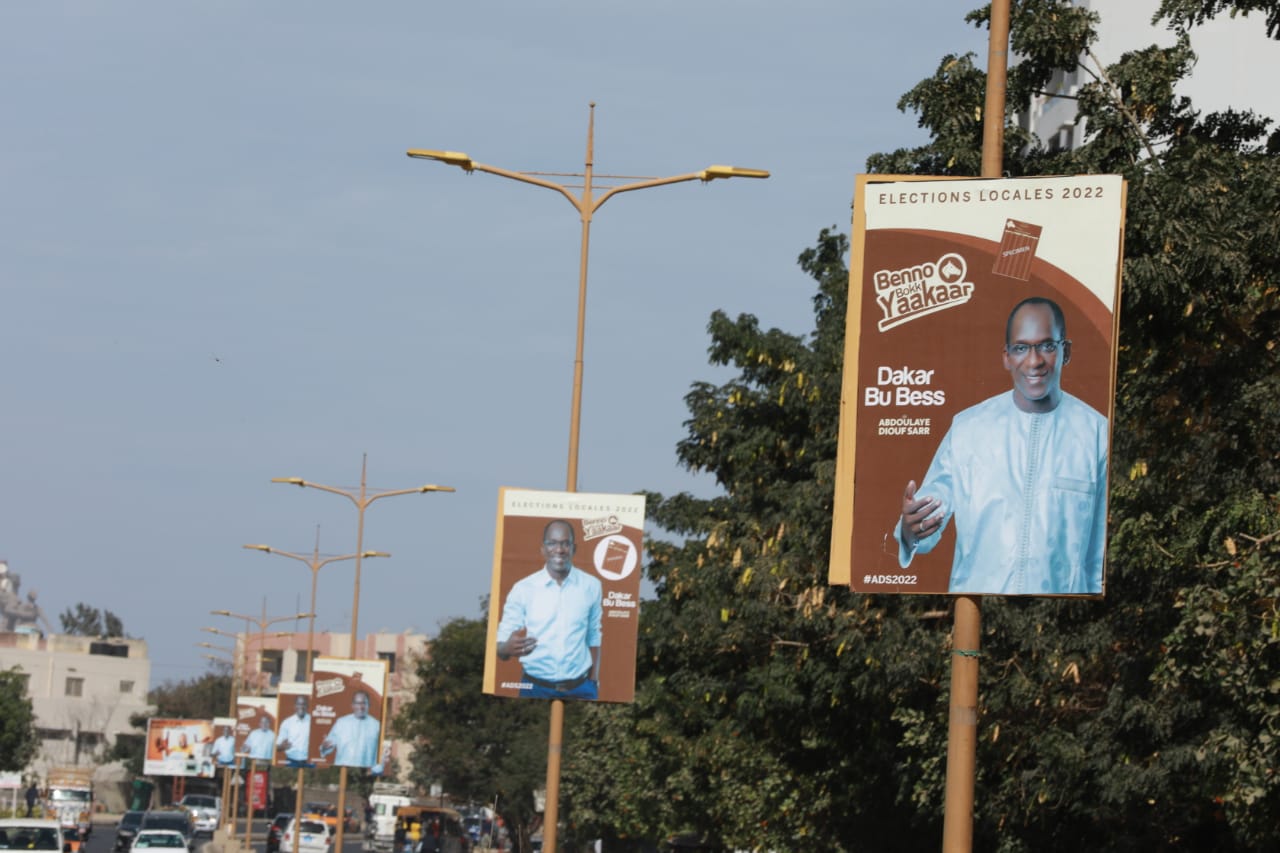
(83,691)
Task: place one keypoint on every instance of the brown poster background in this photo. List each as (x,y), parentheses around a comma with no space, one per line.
(898,425)
(334,683)
(596,519)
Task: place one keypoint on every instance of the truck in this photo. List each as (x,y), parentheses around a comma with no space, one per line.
(380,829)
(70,798)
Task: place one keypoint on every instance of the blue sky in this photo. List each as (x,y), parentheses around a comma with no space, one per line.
(218,266)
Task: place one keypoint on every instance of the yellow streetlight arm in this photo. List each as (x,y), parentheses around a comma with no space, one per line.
(455,158)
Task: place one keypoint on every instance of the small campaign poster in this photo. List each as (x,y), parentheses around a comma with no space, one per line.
(978,382)
(348,703)
(293,733)
(256,728)
(565,596)
(179,748)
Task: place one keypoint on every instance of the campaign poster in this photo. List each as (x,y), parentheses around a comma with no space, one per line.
(179,748)
(223,749)
(293,727)
(256,728)
(565,596)
(347,708)
(978,386)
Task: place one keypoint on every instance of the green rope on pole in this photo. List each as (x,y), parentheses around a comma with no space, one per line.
(966,653)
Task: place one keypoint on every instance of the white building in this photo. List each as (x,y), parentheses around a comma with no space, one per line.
(1236,66)
(83,691)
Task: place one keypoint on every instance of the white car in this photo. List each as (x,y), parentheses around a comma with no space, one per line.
(161,840)
(205,811)
(31,834)
(314,837)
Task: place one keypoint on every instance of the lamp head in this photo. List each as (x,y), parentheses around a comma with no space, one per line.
(453,158)
(712,172)
(433,488)
(263,548)
(293,481)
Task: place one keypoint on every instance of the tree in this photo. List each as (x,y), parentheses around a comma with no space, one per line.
(477,746)
(86,621)
(18,739)
(202,697)
(774,712)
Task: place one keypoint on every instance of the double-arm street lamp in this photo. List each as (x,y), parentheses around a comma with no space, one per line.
(362,500)
(315,564)
(586,203)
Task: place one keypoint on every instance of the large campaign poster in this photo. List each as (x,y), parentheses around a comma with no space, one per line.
(293,729)
(256,728)
(348,704)
(178,747)
(565,596)
(978,383)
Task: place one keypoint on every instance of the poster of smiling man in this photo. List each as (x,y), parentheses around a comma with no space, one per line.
(565,597)
(347,707)
(978,383)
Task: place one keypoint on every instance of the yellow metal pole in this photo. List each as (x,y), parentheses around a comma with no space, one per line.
(962,727)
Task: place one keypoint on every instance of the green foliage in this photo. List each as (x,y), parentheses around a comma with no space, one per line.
(774,712)
(477,746)
(86,621)
(18,740)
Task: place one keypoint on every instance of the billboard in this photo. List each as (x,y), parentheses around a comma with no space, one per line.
(978,382)
(223,749)
(293,734)
(178,748)
(565,596)
(348,706)
(256,728)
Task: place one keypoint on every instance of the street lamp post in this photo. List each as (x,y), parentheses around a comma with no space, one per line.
(262,623)
(361,500)
(315,564)
(586,204)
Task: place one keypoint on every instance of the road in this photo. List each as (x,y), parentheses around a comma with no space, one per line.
(104,834)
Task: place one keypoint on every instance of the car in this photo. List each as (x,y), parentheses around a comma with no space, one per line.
(126,829)
(32,834)
(313,836)
(276,829)
(326,813)
(177,820)
(161,840)
(205,810)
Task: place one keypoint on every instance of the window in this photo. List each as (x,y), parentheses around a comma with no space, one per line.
(126,686)
(75,686)
(390,658)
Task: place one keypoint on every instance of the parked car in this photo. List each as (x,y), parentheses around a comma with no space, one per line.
(313,837)
(163,840)
(177,820)
(276,829)
(205,811)
(126,829)
(31,834)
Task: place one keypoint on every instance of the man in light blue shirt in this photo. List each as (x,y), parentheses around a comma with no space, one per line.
(354,737)
(260,743)
(295,734)
(552,622)
(1024,474)
(224,748)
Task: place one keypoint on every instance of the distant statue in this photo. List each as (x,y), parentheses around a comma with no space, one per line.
(14,612)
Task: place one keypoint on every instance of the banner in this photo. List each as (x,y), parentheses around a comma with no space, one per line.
(348,705)
(178,748)
(256,728)
(293,734)
(565,596)
(978,383)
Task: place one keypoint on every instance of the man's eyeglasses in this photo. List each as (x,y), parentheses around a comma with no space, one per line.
(1044,348)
